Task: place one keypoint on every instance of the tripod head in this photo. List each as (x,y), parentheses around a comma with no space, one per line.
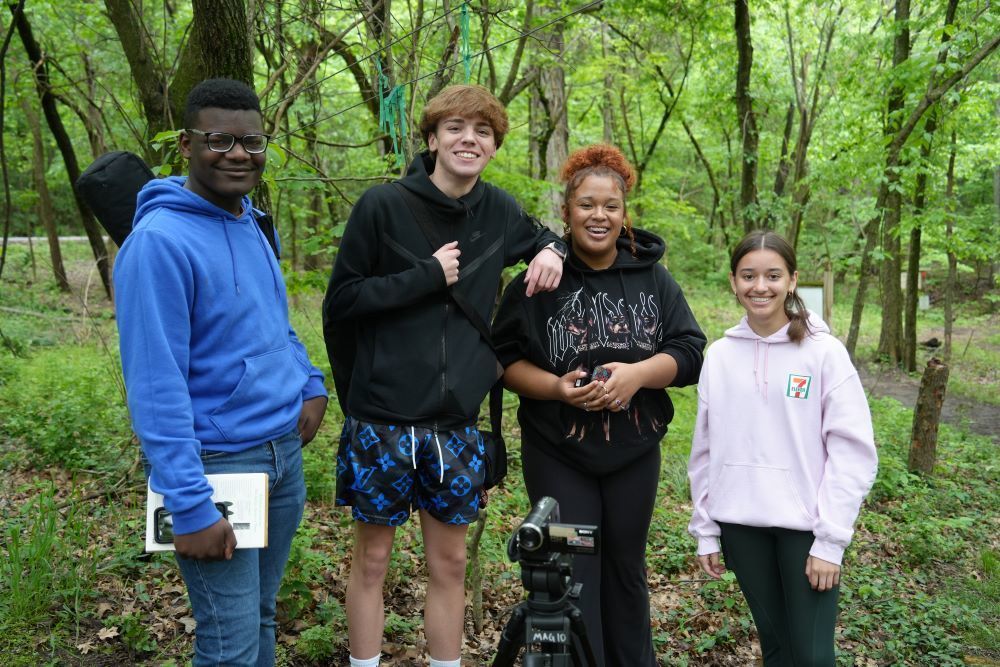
(547,622)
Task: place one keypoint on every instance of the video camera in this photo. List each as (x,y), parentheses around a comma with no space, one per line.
(540,535)
(547,625)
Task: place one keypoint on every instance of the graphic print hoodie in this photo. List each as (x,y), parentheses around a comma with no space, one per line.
(627,312)
(209,357)
(783,438)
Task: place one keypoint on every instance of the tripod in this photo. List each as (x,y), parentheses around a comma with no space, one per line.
(547,619)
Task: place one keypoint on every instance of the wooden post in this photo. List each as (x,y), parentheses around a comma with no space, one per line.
(476,571)
(927,416)
(828,294)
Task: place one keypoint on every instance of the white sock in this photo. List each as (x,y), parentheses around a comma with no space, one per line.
(370,662)
(446,663)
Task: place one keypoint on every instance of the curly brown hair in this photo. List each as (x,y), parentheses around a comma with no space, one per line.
(599,160)
(465,100)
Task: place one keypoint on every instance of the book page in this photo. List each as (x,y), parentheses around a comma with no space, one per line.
(243,496)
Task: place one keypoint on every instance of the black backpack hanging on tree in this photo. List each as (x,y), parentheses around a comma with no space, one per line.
(111,184)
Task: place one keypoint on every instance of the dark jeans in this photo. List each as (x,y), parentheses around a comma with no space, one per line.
(795,623)
(234,601)
(615,597)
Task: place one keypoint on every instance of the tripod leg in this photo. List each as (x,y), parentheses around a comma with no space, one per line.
(511,639)
(580,632)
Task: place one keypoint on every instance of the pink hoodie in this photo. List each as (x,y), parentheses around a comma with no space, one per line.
(783,438)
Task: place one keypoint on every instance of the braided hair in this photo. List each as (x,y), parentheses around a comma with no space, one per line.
(599,160)
(795,307)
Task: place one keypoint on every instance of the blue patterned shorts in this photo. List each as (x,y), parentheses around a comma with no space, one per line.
(383,477)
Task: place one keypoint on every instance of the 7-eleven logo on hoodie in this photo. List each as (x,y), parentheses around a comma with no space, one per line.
(798,386)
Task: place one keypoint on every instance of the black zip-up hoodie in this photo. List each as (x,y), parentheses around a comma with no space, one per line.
(419,360)
(626,313)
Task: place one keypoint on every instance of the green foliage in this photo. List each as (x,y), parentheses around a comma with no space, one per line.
(63,407)
(133,631)
(39,583)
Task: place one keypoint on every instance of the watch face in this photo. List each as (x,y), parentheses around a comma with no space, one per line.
(560,247)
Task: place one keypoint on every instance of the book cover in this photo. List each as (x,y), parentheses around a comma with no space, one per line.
(240,497)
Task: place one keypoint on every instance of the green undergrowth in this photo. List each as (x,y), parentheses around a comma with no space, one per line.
(921,582)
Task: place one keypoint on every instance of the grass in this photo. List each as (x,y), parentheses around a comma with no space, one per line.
(921,581)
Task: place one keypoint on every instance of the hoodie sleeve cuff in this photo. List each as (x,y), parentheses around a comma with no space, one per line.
(199,517)
(708,545)
(828,551)
(314,387)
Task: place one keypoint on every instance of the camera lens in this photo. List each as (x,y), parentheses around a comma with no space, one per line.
(529,537)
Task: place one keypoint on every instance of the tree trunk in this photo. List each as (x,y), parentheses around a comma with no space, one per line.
(552,82)
(548,127)
(890,336)
(149,77)
(784,164)
(949,285)
(215,23)
(927,417)
(65,145)
(913,265)
(46,213)
(476,571)
(745,116)
(935,90)
(607,104)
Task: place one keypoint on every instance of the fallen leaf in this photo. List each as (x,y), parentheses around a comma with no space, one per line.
(85,647)
(108,633)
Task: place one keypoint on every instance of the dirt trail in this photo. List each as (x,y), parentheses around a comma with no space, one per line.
(982,418)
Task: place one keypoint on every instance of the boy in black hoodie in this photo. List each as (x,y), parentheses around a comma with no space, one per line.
(421,368)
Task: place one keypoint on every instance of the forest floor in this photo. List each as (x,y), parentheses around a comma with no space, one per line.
(979,416)
(923,574)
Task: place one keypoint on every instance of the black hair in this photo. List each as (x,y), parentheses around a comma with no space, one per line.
(795,307)
(219,94)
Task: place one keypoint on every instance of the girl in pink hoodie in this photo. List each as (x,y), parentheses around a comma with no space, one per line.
(782,456)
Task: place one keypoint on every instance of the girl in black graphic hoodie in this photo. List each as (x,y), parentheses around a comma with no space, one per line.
(591,362)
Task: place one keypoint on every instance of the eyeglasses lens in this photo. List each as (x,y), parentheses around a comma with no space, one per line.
(220,142)
(254,143)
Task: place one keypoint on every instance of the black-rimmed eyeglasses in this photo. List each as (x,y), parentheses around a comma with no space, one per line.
(223,142)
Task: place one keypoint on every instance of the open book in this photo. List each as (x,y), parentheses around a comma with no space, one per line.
(240,497)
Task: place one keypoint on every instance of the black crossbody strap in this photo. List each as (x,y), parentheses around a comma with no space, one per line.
(422,216)
(420,213)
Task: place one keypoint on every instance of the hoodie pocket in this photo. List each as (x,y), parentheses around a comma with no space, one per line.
(271,383)
(757,495)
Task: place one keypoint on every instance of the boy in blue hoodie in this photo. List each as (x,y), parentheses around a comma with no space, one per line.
(217,380)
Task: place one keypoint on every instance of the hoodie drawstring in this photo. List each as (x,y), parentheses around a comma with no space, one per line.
(413,453)
(756,359)
(440,458)
(232,255)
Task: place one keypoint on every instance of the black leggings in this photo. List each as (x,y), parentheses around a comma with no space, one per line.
(615,597)
(795,623)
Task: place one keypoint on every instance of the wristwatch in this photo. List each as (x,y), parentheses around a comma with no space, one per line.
(559,248)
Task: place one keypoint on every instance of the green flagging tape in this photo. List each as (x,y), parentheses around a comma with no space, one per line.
(392,112)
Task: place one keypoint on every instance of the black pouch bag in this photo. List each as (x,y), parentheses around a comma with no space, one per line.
(493,442)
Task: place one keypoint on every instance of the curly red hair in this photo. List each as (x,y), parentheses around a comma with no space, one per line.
(599,160)
(596,159)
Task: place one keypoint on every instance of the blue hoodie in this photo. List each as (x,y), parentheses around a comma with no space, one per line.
(209,357)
